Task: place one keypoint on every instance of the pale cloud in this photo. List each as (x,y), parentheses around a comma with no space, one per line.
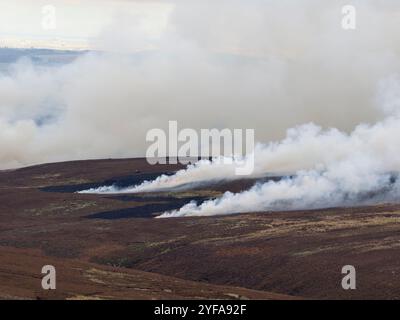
(295,65)
(78,23)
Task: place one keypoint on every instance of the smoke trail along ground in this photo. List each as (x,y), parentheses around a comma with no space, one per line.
(361,168)
(306,147)
(332,168)
(345,170)
(285,62)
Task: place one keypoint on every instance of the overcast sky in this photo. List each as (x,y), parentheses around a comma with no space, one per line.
(267,65)
(77,22)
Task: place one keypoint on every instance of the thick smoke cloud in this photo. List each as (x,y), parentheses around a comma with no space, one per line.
(305,148)
(330,168)
(267,65)
(361,168)
(307,191)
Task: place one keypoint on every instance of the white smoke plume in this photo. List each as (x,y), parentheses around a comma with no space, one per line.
(355,169)
(331,168)
(307,190)
(264,65)
(306,147)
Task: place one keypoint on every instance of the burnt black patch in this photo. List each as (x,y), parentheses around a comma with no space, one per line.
(149,210)
(118,182)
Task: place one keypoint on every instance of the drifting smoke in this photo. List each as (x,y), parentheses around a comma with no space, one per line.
(261,65)
(307,190)
(331,168)
(360,168)
(283,62)
(307,147)
(203,172)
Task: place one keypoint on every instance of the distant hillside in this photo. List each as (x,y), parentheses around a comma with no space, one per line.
(39,56)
